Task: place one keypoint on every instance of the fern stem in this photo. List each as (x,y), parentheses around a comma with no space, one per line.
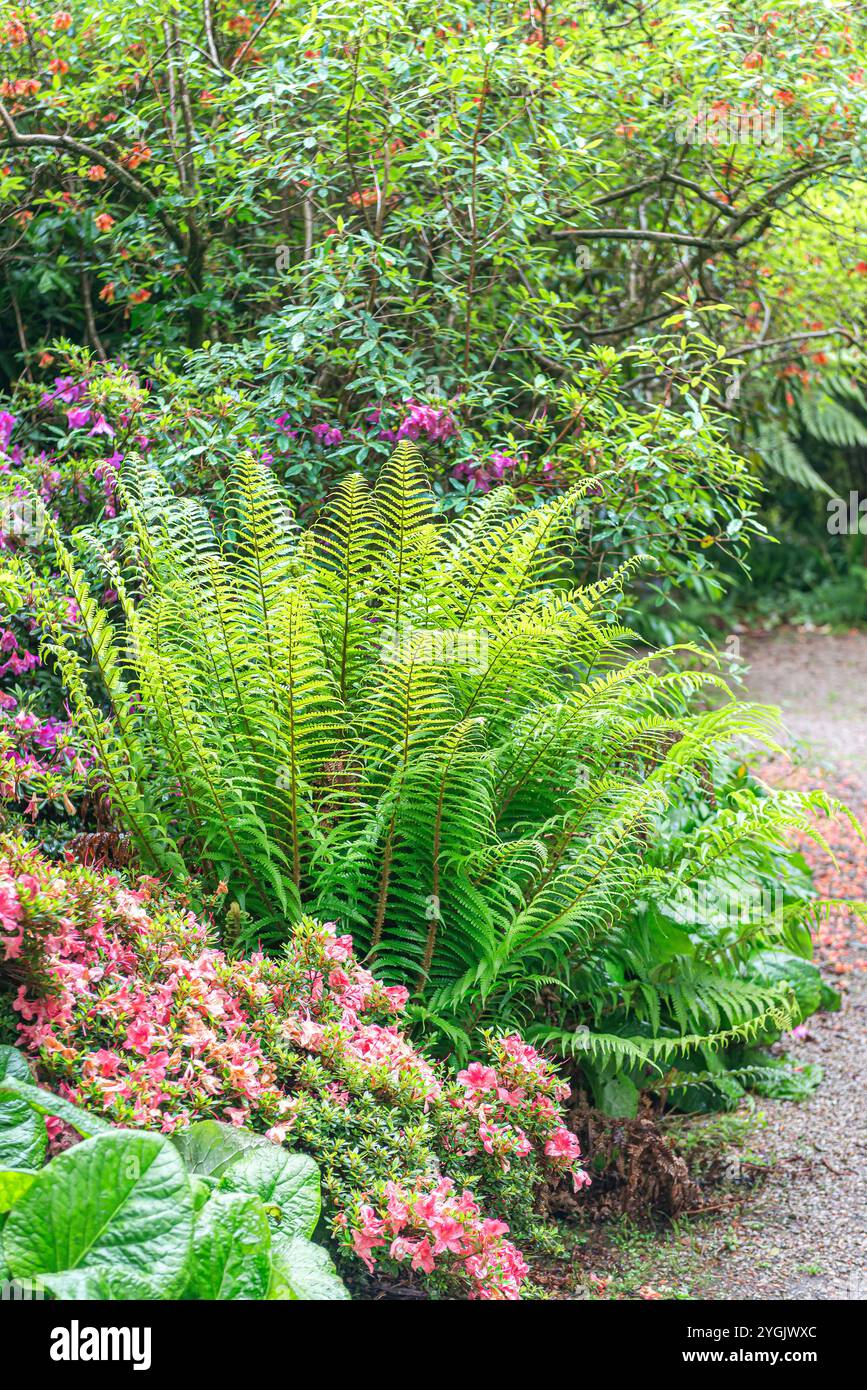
(430,943)
(382,897)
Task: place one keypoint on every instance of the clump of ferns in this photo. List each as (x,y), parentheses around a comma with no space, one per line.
(422,731)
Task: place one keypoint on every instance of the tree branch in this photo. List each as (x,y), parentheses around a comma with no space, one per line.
(67,145)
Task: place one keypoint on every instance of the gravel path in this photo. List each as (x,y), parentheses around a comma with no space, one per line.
(803,1233)
(820,684)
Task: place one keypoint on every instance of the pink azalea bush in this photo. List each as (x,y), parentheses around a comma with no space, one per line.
(429,1222)
(128,1009)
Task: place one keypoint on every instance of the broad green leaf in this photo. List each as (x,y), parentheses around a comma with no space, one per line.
(302,1270)
(14,1063)
(13,1184)
(773,967)
(280,1179)
(120,1202)
(208,1147)
(46,1103)
(617,1096)
(202,1189)
(77,1285)
(23,1138)
(231,1249)
(98,1285)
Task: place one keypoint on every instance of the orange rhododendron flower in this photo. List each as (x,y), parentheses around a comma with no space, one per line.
(137,155)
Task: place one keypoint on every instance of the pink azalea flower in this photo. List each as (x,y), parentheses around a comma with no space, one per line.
(478,1078)
(423,1258)
(562,1144)
(138,1037)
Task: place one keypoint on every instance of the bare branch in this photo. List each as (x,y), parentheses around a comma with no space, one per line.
(67,145)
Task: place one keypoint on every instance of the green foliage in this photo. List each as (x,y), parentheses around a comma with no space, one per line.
(781,452)
(811,434)
(294,236)
(304,1042)
(381,179)
(550,227)
(426,732)
(216,1213)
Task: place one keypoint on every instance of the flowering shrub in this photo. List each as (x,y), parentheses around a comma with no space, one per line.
(498,468)
(45,767)
(430,1221)
(445,276)
(129,1011)
(40,764)
(69,476)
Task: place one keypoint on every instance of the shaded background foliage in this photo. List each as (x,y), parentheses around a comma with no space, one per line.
(540,239)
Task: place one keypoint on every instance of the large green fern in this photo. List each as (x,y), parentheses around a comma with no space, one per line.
(425,732)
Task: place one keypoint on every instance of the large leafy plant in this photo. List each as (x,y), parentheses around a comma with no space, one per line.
(215,1213)
(427,732)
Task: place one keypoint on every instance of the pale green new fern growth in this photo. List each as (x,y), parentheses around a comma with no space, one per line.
(421,731)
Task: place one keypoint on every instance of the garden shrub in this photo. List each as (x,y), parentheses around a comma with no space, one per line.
(458,228)
(689,498)
(40,762)
(44,767)
(128,1011)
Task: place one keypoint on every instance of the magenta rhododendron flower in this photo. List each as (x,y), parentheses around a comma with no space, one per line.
(101,426)
(66,389)
(40,765)
(482,475)
(428,421)
(8,422)
(327,435)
